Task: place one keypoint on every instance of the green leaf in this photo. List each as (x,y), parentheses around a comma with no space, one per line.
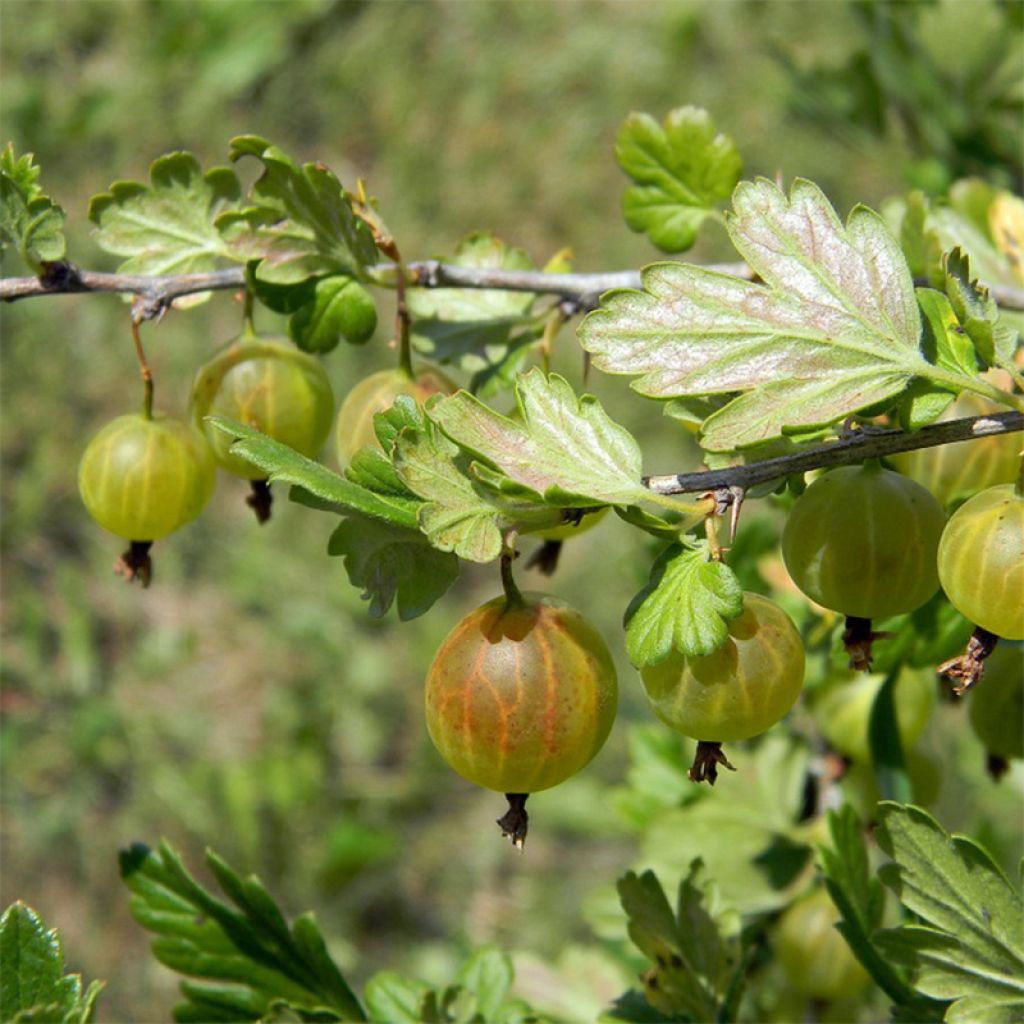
(978,312)
(564,447)
(835,328)
(389,563)
(33,985)
(860,900)
(685,607)
(455,515)
(695,950)
(887,757)
(969,946)
(301,223)
(167,226)
(758,866)
(487,974)
(340,308)
(285,464)
(471,327)
(248,959)
(392,999)
(682,170)
(945,342)
(30,221)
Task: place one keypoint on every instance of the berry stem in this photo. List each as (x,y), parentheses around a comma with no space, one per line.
(513,597)
(144,370)
(248,327)
(403,322)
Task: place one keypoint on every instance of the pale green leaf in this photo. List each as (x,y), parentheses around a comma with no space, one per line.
(834,329)
(29,220)
(759,867)
(167,226)
(970,945)
(564,446)
(978,312)
(681,168)
(393,999)
(393,565)
(694,950)
(455,515)
(285,464)
(487,974)
(300,222)
(685,607)
(471,327)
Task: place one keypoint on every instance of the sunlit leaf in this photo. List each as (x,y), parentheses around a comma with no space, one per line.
(564,447)
(30,221)
(686,606)
(167,226)
(300,222)
(681,168)
(835,328)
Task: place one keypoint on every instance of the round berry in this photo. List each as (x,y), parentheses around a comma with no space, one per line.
(374,394)
(815,958)
(268,384)
(955,471)
(740,690)
(843,709)
(981,561)
(142,479)
(521,695)
(861,540)
(996,702)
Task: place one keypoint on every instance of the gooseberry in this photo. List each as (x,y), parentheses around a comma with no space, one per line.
(354,426)
(740,690)
(861,540)
(981,561)
(521,694)
(954,471)
(860,787)
(814,957)
(268,384)
(843,710)
(142,478)
(996,703)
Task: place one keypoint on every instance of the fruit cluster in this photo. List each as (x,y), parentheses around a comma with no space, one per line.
(523,692)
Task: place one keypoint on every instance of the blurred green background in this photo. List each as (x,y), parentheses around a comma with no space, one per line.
(246,701)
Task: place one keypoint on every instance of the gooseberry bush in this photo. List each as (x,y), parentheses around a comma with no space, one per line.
(818,377)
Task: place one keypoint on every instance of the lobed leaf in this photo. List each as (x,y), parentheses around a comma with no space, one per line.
(681,168)
(472,327)
(300,223)
(248,958)
(455,515)
(565,447)
(30,221)
(969,946)
(286,465)
(685,607)
(167,226)
(695,951)
(391,563)
(835,329)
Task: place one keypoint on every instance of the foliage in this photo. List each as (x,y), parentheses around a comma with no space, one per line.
(30,220)
(280,721)
(33,985)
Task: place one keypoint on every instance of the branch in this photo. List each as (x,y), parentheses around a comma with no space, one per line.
(864,444)
(156,293)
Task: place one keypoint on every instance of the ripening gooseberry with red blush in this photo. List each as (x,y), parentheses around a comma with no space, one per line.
(521,695)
